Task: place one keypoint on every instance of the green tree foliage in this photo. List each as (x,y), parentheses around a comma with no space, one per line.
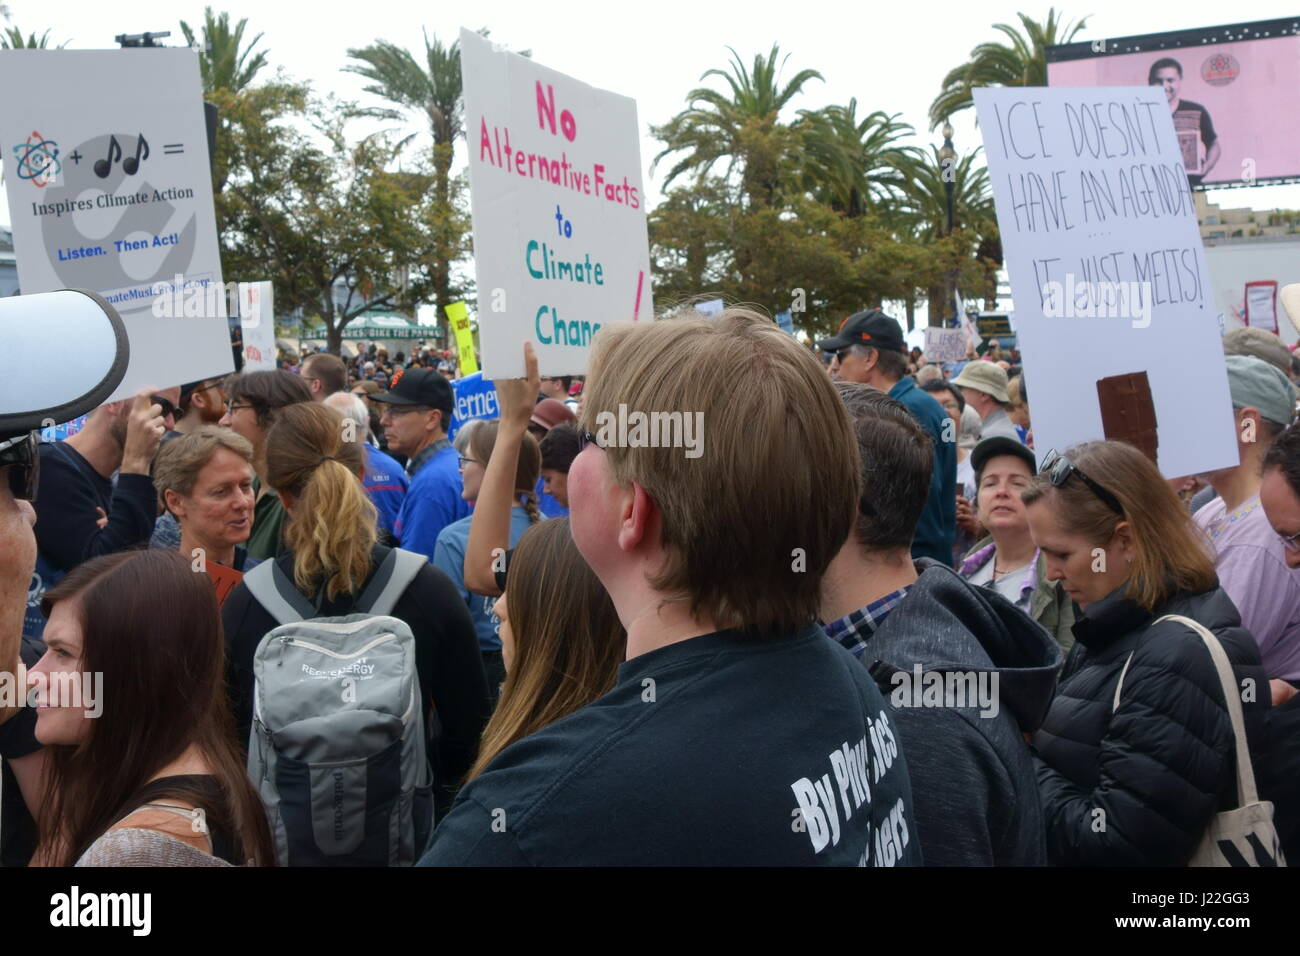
(1020,62)
(12,39)
(227,62)
(337,230)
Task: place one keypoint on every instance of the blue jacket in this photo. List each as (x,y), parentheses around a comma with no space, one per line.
(449,558)
(386,484)
(938,523)
(432,502)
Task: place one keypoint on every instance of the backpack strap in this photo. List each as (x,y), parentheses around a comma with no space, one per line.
(389,582)
(1119,684)
(271,587)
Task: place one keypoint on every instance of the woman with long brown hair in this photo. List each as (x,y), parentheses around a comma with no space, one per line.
(332,557)
(1136,754)
(560,637)
(143,769)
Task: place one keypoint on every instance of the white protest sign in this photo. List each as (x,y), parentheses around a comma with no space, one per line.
(257,325)
(1108,273)
(106,170)
(945,345)
(560,243)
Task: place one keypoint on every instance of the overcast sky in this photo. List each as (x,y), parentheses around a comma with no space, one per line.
(891,56)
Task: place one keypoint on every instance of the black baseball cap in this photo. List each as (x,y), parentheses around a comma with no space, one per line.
(1001,445)
(872,328)
(418,386)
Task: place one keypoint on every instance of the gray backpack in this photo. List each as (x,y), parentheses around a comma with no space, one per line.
(337,747)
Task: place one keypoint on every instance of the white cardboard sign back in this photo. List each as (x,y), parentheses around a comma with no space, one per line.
(106,170)
(1107,267)
(560,242)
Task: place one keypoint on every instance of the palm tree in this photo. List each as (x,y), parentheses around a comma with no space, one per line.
(1021,63)
(13,39)
(852,165)
(741,125)
(227,62)
(432,90)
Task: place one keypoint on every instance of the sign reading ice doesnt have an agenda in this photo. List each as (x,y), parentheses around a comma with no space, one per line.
(560,244)
(1108,273)
(106,171)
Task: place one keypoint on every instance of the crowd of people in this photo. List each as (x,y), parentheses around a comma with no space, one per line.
(323,622)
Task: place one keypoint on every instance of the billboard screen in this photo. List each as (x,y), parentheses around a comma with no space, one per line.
(1231,90)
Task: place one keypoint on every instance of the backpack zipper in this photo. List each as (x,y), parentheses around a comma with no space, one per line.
(296,642)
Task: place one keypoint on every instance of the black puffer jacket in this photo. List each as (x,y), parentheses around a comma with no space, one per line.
(1139,787)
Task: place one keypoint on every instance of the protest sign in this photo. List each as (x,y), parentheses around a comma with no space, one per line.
(106,171)
(476,397)
(458,313)
(257,322)
(560,243)
(1261,305)
(945,345)
(710,307)
(785,320)
(1108,274)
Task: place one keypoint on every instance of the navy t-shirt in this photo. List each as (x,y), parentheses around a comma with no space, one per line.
(720,750)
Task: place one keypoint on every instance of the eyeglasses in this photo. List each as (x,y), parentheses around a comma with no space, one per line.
(1058,469)
(231,407)
(1290,543)
(20,456)
(468,461)
(167,407)
(842,353)
(587,438)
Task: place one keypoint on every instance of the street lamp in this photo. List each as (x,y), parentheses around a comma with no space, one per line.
(948,165)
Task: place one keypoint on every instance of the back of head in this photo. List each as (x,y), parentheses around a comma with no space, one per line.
(331,530)
(928,373)
(484,438)
(568,642)
(162,690)
(762,497)
(560,447)
(353,410)
(897,457)
(267,392)
(1284,453)
(1171,553)
(329,370)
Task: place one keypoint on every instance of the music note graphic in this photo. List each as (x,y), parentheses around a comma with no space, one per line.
(131,164)
(103,166)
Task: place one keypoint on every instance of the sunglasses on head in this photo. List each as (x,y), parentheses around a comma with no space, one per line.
(23,461)
(1058,470)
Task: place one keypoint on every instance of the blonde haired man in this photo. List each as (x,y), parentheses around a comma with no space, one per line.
(736,734)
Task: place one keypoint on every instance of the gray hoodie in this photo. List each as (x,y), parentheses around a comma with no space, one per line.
(967,674)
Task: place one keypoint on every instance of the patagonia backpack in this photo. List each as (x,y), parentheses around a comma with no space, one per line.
(337,746)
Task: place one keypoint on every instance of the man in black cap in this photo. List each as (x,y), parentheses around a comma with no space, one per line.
(869,348)
(40,319)
(418,414)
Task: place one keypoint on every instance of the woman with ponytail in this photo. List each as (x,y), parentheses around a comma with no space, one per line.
(332,555)
(449,553)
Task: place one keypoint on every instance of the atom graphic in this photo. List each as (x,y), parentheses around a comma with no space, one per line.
(38,160)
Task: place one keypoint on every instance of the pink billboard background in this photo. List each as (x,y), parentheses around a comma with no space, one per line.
(1250,89)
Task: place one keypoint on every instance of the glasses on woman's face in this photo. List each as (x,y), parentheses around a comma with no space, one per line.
(231,407)
(20,457)
(468,461)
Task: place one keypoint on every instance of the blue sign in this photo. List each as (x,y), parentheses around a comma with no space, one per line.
(786,321)
(476,397)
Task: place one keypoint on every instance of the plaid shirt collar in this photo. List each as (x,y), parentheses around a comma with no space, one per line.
(856,628)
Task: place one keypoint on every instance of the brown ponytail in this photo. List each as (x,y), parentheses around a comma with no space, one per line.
(332,530)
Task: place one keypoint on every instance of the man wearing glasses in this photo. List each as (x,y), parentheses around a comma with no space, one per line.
(1251,562)
(202,403)
(417,413)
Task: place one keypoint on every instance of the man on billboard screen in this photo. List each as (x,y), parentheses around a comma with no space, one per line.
(1191,121)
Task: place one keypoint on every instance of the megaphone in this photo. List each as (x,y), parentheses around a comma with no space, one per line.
(66,353)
